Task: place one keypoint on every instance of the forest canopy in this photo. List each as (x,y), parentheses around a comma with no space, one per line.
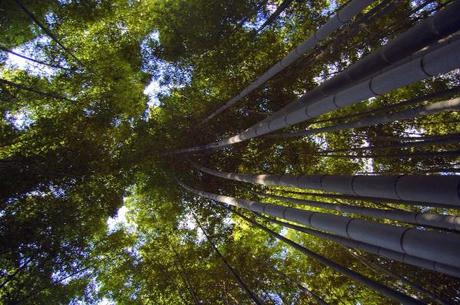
(229,152)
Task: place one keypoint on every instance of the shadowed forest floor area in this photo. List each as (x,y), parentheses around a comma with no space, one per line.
(229,152)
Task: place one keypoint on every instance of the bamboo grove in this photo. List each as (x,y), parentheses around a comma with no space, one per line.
(229,152)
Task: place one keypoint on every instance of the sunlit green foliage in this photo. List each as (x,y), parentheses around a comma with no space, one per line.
(81,143)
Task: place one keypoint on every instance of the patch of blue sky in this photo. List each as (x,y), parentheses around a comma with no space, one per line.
(188,223)
(64,277)
(20,119)
(256,23)
(120,221)
(165,76)
(426,7)
(367,164)
(57,191)
(327,73)
(95,287)
(283,253)
(320,140)
(105,301)
(65,2)
(331,8)
(152,90)
(274,298)
(32,49)
(51,19)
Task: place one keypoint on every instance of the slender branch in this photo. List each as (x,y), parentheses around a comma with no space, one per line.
(304,289)
(11,276)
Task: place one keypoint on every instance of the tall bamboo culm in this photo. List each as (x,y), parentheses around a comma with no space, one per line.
(425,190)
(436,246)
(449,222)
(342,17)
(382,289)
(401,72)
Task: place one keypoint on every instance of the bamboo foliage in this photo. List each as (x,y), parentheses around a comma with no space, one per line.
(2,48)
(379,269)
(47,31)
(251,294)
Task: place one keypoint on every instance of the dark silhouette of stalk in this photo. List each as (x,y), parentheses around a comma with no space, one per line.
(10,277)
(240,281)
(34,60)
(184,276)
(36,91)
(46,30)
(275,15)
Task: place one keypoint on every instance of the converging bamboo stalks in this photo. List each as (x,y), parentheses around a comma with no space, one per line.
(334,179)
(384,290)
(450,222)
(353,244)
(440,247)
(399,69)
(428,190)
(430,30)
(339,19)
(449,105)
